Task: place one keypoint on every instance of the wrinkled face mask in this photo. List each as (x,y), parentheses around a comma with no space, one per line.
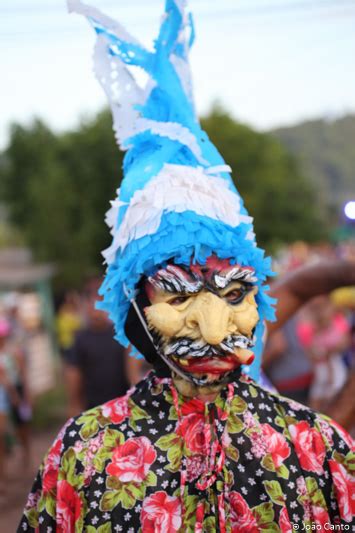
(202,319)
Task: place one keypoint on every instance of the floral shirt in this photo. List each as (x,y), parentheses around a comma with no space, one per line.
(154,462)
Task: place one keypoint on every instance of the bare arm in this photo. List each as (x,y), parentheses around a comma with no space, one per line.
(300,286)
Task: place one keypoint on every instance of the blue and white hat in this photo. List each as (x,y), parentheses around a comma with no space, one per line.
(177,199)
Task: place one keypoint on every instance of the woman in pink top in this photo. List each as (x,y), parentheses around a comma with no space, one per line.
(325,335)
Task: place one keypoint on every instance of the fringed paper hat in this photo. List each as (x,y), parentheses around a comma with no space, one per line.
(177,199)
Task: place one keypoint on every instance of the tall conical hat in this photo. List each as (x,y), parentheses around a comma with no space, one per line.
(177,199)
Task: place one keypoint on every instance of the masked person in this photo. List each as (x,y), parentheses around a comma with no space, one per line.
(197,445)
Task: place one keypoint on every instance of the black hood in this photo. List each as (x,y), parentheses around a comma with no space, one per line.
(137,335)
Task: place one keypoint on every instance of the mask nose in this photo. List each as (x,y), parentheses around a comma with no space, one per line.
(211,315)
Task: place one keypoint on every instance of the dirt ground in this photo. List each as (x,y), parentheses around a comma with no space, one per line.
(20,479)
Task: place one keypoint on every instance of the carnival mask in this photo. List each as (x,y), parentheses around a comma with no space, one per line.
(202,318)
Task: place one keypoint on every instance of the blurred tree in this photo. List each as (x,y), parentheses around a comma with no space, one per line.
(282,202)
(325,151)
(57,188)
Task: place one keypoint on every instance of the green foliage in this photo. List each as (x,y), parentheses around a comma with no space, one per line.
(57,188)
(326,156)
(49,409)
(348,461)
(264,516)
(171,443)
(125,493)
(9,236)
(274,491)
(275,193)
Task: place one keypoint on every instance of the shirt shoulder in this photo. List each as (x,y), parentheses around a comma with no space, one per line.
(295,419)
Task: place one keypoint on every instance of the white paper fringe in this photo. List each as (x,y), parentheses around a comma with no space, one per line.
(177,188)
(122,90)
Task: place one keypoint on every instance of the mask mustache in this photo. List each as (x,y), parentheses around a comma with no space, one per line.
(183,347)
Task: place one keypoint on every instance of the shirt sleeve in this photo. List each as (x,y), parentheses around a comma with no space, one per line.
(341,461)
(48,504)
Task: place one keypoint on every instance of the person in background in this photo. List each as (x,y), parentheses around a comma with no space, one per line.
(286,363)
(68,322)
(4,410)
(97,369)
(325,336)
(343,408)
(8,397)
(344,301)
(21,408)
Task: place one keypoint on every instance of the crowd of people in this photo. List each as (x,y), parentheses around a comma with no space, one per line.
(310,359)
(93,366)
(96,368)
(15,395)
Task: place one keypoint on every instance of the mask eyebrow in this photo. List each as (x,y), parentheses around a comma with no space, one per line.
(177,281)
(244,274)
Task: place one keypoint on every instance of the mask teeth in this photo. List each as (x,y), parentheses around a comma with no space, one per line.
(226,347)
(200,382)
(241,341)
(198,349)
(183,348)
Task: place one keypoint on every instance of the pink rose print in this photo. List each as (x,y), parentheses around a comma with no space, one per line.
(309,446)
(196,466)
(326,430)
(131,461)
(33,500)
(194,430)
(301,486)
(69,507)
(259,446)
(94,445)
(320,516)
(51,467)
(295,406)
(161,513)
(344,490)
(116,410)
(200,513)
(221,512)
(306,504)
(249,420)
(276,444)
(284,522)
(242,519)
(349,441)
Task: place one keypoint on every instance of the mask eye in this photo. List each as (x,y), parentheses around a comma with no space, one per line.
(178,300)
(235,296)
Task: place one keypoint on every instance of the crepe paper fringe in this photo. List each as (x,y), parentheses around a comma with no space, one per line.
(164,211)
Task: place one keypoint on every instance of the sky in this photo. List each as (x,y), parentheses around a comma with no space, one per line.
(269,62)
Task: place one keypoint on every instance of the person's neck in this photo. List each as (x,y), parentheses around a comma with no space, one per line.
(207,393)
